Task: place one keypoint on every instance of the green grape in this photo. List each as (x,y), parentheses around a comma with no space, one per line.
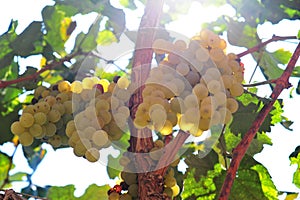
(172,117)
(81,146)
(191,115)
(26,120)
(55,141)
(183,68)
(87,83)
(42,107)
(123,82)
(36,130)
(50,129)
(177,105)
(129,178)
(236,89)
(76,87)
(62,97)
(100,138)
(26,139)
(202,54)
(64,86)
(51,100)
(125,197)
(105,116)
(180,86)
(92,155)
(232,105)
(220,98)
(170,181)
(206,111)
(102,105)
(54,116)
(200,90)
(16,128)
(68,105)
(191,101)
(114,196)
(90,112)
(38,91)
(124,110)
(133,190)
(70,128)
(204,124)
(180,45)
(60,107)
(217,54)
(40,118)
(167,128)
(30,109)
(213,72)
(213,86)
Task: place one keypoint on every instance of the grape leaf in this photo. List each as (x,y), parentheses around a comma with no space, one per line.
(4,167)
(243,118)
(128,4)
(106,37)
(296,176)
(282,56)
(6,121)
(93,192)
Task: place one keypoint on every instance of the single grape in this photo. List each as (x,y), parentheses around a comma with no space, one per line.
(64,86)
(76,87)
(16,128)
(26,139)
(100,138)
(26,120)
(92,155)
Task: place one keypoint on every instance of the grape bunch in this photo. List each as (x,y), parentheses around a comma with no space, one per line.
(194,87)
(86,115)
(102,121)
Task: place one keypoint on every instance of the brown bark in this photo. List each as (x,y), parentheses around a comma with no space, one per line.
(150,184)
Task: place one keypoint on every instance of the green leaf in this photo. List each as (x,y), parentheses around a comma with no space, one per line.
(61,193)
(93,192)
(267,184)
(296,176)
(112,172)
(250,182)
(298,35)
(201,165)
(29,84)
(29,40)
(105,37)
(17,176)
(296,72)
(4,167)
(282,56)
(249,112)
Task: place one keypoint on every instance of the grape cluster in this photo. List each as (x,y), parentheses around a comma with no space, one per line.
(46,118)
(86,115)
(194,86)
(102,120)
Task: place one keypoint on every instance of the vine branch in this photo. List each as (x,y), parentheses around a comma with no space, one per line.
(240,150)
(4,84)
(259,46)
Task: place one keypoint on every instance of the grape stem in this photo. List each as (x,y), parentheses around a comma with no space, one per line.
(238,153)
(259,46)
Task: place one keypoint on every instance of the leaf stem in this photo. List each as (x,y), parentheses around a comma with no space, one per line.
(260,83)
(241,148)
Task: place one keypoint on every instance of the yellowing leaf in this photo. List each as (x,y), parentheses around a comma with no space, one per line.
(106,37)
(291,196)
(64,25)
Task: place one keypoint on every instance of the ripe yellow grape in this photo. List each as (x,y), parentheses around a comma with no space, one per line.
(30,109)
(16,128)
(214,86)
(26,120)
(236,89)
(92,155)
(100,138)
(105,83)
(42,107)
(70,128)
(180,45)
(167,128)
(51,100)
(55,141)
(123,82)
(175,190)
(64,86)
(60,107)
(202,55)
(76,87)
(26,139)
(200,90)
(232,105)
(191,101)
(87,83)
(159,46)
(54,116)
(216,54)
(36,130)
(68,105)
(114,196)
(50,129)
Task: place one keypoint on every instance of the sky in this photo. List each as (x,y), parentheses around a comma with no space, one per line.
(61,167)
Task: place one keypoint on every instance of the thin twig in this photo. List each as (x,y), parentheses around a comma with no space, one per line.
(4,84)
(241,148)
(260,83)
(259,46)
